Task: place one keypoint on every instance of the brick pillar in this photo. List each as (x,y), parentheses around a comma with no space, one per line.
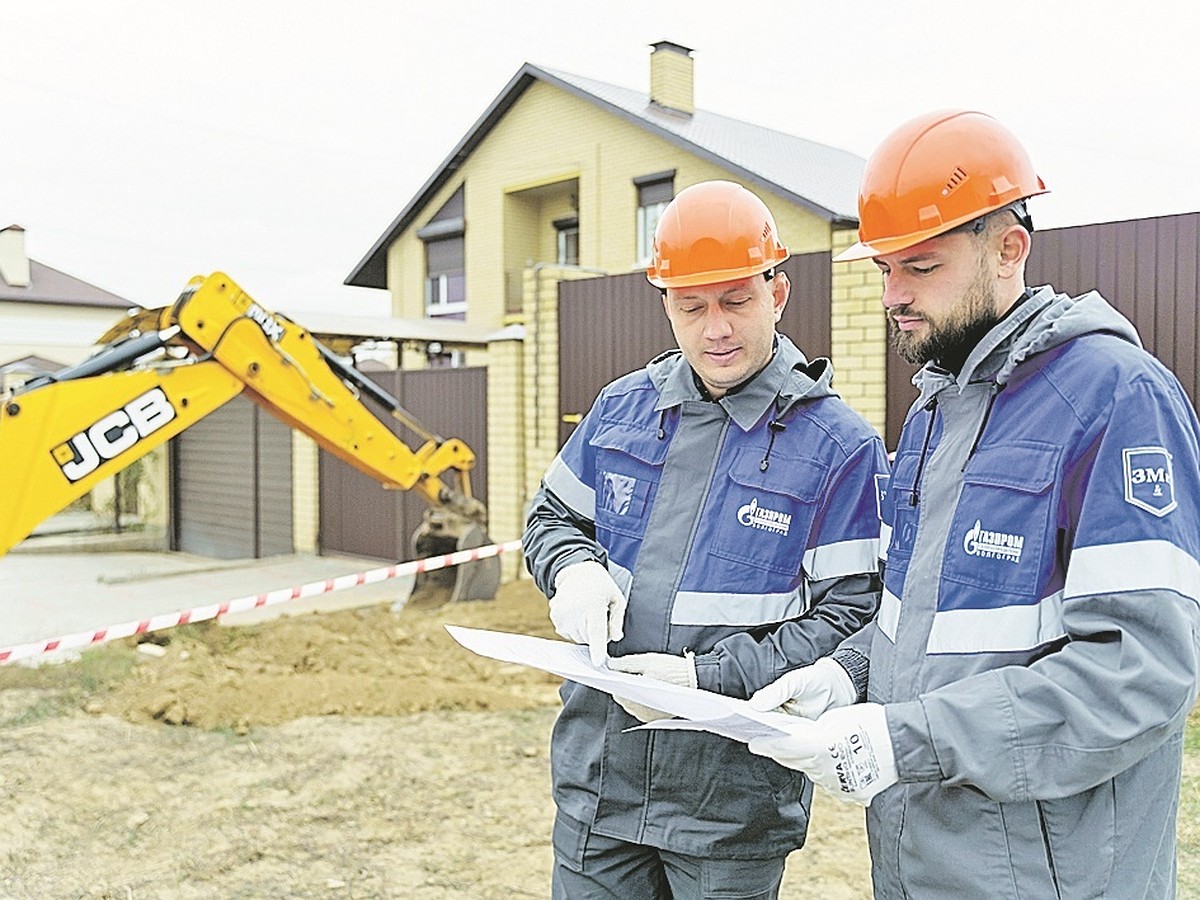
(507,489)
(306,493)
(859,335)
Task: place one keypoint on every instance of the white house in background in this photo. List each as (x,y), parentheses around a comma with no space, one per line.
(48,319)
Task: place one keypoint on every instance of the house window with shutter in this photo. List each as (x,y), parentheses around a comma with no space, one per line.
(567,234)
(445,261)
(654,192)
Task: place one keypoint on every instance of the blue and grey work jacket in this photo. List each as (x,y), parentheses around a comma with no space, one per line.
(744,530)
(1036,643)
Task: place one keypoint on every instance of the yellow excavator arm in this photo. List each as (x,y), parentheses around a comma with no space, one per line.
(160,371)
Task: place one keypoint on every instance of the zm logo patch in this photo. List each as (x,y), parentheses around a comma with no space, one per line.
(1149,481)
(113,434)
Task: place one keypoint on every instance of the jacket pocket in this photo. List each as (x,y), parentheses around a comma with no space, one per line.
(898,528)
(570,841)
(898,513)
(629,463)
(1003,525)
(764,518)
(936,824)
(1079,836)
(709,779)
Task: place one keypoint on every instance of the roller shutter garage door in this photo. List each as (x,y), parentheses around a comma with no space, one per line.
(233,484)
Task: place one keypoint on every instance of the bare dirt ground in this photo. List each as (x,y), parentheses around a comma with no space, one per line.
(351,754)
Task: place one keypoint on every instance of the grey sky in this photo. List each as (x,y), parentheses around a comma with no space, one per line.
(144,142)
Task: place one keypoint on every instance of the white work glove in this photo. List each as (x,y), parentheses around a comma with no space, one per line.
(640,712)
(847,751)
(668,667)
(588,607)
(680,670)
(809,691)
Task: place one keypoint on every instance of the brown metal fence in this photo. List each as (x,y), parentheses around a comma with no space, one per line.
(1146,268)
(613,325)
(358,516)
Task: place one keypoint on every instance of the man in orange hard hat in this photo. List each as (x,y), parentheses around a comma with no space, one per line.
(710,523)
(1014,715)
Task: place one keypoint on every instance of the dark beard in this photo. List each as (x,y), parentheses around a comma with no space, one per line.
(949,343)
(949,346)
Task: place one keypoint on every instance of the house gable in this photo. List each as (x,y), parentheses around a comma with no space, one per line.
(551,158)
(818,179)
(47,313)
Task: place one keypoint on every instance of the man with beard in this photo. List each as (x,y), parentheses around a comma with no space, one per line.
(1014,716)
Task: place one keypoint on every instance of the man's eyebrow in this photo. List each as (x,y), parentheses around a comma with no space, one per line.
(744,289)
(919,257)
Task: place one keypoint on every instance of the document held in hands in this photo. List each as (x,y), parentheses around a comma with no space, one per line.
(697,710)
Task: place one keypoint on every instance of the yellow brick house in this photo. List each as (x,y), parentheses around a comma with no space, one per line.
(565,177)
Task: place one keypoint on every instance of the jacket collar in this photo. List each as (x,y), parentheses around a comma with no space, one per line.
(1045,320)
(785,379)
(990,354)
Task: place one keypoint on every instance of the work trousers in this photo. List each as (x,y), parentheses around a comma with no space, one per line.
(604,868)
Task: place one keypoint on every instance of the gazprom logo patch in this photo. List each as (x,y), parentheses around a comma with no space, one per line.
(754,516)
(978,541)
(1149,481)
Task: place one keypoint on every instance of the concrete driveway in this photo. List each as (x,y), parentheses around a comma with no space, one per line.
(48,592)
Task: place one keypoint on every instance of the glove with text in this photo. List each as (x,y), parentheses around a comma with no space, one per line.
(588,607)
(847,751)
(809,691)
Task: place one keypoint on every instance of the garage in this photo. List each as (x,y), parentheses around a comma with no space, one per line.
(233,484)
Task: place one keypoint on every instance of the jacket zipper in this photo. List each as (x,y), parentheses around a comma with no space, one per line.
(687,551)
(712,470)
(931,408)
(987,414)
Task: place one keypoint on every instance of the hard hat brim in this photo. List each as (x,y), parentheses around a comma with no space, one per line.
(886,245)
(716,276)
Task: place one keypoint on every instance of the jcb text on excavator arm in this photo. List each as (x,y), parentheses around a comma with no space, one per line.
(163,370)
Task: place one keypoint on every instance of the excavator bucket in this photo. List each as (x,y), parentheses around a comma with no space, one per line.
(445,531)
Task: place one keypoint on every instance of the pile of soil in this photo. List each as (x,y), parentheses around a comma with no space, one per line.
(363,662)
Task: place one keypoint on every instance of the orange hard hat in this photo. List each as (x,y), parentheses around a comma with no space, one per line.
(711,232)
(934,173)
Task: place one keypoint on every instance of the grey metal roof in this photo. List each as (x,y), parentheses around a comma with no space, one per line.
(819,178)
(34,364)
(47,285)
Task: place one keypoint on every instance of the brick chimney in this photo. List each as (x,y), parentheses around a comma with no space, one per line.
(14,264)
(671,77)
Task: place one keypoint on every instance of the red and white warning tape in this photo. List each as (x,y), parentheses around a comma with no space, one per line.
(282,595)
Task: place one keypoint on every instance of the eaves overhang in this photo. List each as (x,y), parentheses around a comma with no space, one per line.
(371,270)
